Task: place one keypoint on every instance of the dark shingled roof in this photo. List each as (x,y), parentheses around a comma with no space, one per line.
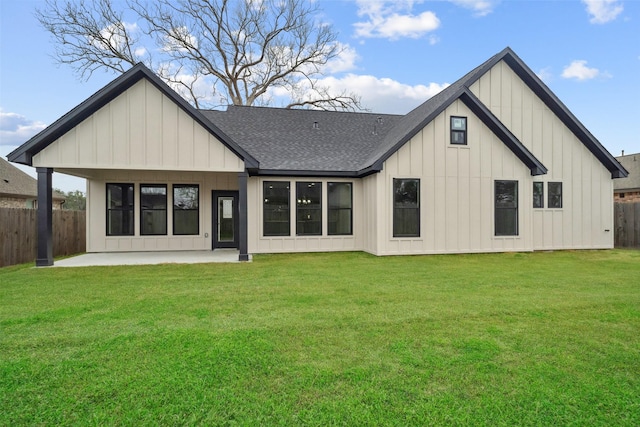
(305,140)
(290,141)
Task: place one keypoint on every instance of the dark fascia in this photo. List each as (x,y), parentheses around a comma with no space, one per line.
(488,118)
(505,135)
(542,91)
(309,173)
(24,154)
(562,112)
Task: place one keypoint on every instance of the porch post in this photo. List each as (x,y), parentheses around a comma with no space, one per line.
(242,207)
(45,218)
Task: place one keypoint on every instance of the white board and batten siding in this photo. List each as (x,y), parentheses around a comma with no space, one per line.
(586,218)
(141,129)
(456,191)
(98,241)
(143,137)
(259,243)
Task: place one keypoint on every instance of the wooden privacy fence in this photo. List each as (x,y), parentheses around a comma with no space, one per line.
(627,224)
(19,234)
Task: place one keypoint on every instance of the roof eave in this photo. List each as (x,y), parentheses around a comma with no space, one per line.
(505,135)
(564,114)
(306,173)
(24,154)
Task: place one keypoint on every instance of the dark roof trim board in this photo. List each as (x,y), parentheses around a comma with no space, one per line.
(563,113)
(505,135)
(405,128)
(310,174)
(488,118)
(540,89)
(24,154)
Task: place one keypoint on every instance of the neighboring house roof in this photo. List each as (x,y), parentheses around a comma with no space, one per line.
(631,163)
(18,184)
(275,141)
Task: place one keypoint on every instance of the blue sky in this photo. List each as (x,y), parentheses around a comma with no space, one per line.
(396,55)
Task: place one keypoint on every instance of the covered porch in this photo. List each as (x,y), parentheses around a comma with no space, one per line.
(123,222)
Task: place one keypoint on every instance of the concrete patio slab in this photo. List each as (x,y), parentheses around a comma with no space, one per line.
(148,258)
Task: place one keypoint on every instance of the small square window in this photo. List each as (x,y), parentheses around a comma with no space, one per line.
(458,130)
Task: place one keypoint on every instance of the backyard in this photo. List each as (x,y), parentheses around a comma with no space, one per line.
(543,338)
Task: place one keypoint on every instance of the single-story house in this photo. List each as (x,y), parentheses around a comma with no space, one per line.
(628,189)
(495,162)
(20,190)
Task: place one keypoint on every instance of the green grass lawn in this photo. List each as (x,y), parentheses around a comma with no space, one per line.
(326,339)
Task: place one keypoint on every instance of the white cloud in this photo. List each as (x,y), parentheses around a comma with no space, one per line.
(115,36)
(393,20)
(379,95)
(545,75)
(480,7)
(140,52)
(603,11)
(16,129)
(179,33)
(179,79)
(578,70)
(345,61)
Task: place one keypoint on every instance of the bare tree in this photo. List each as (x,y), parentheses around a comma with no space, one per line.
(241,52)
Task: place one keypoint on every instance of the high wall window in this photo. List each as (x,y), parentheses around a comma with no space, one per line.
(406,207)
(506,208)
(186,209)
(309,208)
(340,208)
(276,208)
(555,195)
(458,130)
(119,209)
(538,194)
(153,209)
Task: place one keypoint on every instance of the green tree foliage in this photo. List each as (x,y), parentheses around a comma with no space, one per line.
(74,200)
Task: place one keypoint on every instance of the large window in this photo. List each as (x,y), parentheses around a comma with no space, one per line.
(555,195)
(538,194)
(309,208)
(340,208)
(458,130)
(186,209)
(506,208)
(119,209)
(153,209)
(406,207)
(276,208)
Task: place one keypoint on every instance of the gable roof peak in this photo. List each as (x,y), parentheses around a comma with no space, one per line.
(24,154)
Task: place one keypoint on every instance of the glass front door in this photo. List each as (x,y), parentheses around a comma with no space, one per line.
(225,219)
